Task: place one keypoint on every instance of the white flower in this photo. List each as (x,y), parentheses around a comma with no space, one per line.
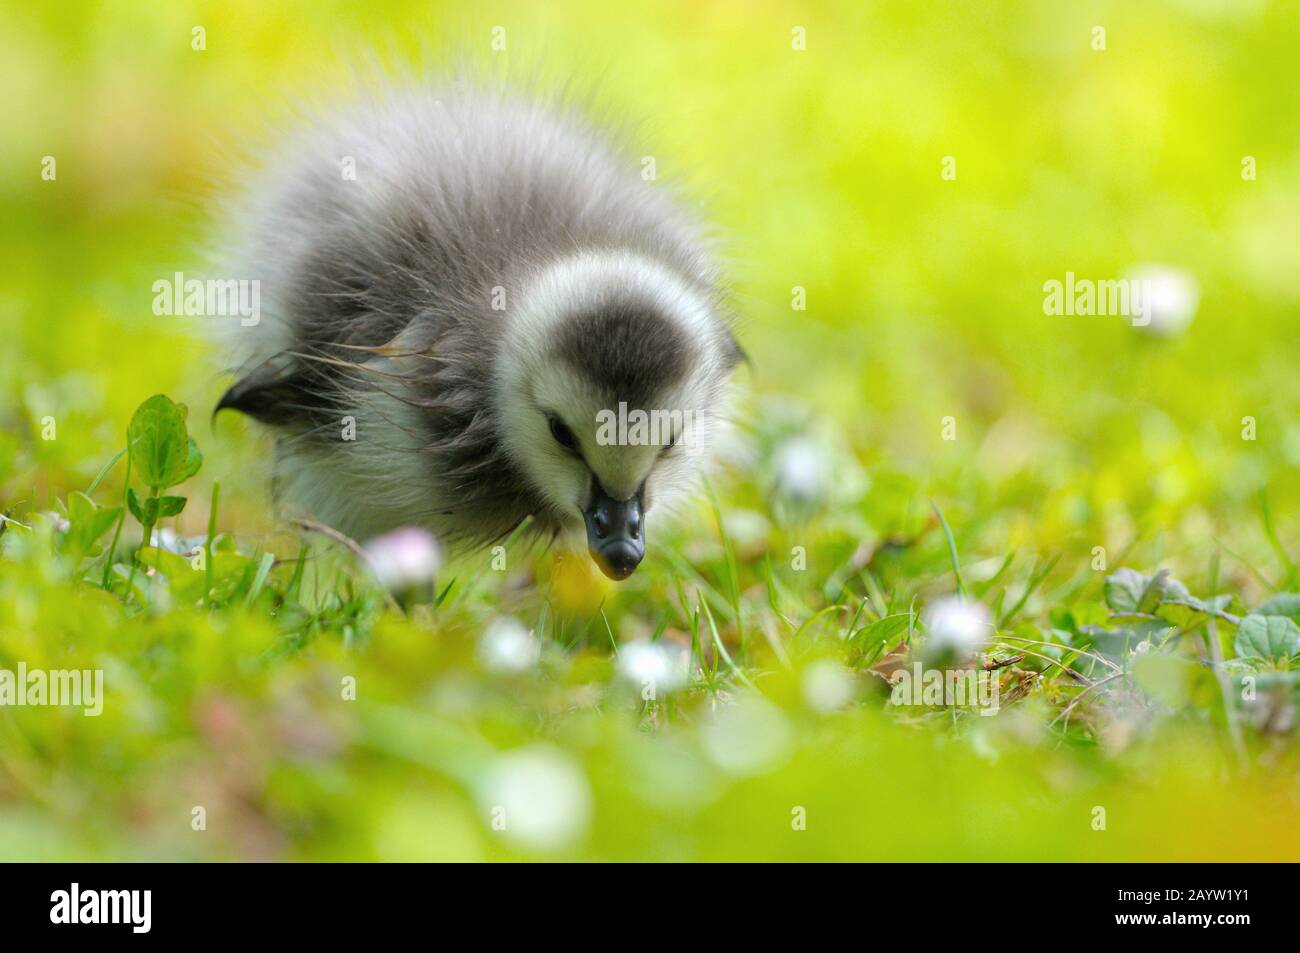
(1170,298)
(507,647)
(954,624)
(650,664)
(748,737)
(60,524)
(537,798)
(403,558)
(802,471)
(826,685)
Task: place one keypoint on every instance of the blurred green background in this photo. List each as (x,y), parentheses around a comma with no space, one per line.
(822,170)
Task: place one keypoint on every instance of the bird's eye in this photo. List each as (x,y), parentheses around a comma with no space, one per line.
(563,435)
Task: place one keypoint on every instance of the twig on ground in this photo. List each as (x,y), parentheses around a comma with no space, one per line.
(1051,661)
(1068,648)
(990,664)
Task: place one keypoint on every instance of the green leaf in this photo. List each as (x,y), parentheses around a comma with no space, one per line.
(99,524)
(1161,586)
(263,569)
(170,505)
(1286,603)
(162,452)
(1130,592)
(1127,637)
(80,507)
(150,509)
(86,524)
(1183,612)
(1124,590)
(1268,636)
(882,630)
(193,460)
(1150,597)
(135,505)
(185,581)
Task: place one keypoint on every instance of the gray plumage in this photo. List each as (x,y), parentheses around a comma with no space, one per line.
(491,254)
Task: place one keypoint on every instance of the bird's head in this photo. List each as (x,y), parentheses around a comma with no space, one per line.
(610,386)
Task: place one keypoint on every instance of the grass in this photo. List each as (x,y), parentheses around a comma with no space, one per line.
(284,693)
(270,700)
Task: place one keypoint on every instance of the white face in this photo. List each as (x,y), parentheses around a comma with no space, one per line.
(563,434)
(649,450)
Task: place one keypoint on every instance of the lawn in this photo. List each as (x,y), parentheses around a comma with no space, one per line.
(919,447)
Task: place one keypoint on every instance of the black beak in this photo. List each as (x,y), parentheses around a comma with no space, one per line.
(615,535)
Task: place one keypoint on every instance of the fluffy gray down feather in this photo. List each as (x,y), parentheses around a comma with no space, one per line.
(378,296)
